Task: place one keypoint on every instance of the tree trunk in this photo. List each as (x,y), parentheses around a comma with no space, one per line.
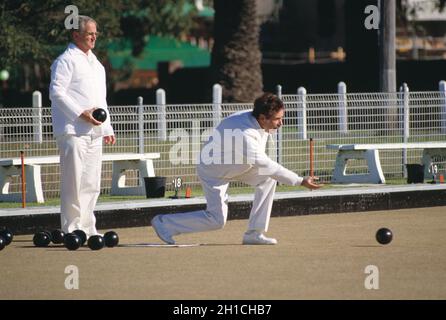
(236,56)
(386,39)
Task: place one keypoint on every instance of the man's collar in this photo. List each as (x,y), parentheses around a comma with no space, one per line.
(257,124)
(76,49)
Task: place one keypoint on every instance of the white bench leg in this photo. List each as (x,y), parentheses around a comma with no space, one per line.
(426,160)
(118,187)
(34,192)
(6,174)
(375,174)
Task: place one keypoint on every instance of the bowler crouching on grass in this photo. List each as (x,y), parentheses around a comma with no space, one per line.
(236,152)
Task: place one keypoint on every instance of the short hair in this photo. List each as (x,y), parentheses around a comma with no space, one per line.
(82,22)
(267,104)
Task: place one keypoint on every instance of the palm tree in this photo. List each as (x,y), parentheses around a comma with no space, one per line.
(236,56)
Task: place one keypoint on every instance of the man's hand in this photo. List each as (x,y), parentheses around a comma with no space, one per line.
(109,140)
(310,183)
(87,116)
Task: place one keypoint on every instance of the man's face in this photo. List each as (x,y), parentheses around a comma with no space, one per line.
(86,39)
(273,122)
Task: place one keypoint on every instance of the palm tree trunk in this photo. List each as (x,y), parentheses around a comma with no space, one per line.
(236,56)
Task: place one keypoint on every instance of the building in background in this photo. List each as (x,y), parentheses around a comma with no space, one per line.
(421,32)
(158,53)
(304,31)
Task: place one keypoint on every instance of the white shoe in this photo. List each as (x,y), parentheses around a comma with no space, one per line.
(157,225)
(257,238)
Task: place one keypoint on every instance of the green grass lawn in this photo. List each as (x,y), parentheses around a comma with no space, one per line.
(294,156)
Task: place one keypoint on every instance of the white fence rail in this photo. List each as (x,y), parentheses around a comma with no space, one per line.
(177,132)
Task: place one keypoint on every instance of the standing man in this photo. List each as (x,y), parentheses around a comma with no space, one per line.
(77,88)
(223,160)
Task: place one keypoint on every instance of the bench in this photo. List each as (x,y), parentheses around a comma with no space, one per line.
(34,193)
(370,153)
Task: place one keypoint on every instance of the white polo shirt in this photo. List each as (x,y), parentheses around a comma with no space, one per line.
(237,146)
(77,84)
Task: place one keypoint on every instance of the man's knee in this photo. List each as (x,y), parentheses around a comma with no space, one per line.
(218,219)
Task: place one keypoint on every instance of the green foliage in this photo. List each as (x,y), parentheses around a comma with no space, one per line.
(33,32)
(162,18)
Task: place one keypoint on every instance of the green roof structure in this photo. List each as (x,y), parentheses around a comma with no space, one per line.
(157,49)
(206,12)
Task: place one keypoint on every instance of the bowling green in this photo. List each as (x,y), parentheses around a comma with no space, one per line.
(328,256)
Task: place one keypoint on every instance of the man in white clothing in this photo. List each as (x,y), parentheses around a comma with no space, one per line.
(222,161)
(78,87)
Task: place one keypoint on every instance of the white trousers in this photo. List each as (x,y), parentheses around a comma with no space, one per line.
(80,171)
(216,213)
